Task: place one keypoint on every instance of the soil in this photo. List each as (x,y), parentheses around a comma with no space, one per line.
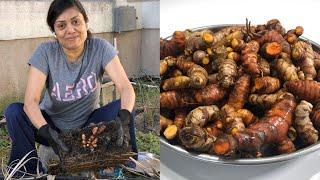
(106,154)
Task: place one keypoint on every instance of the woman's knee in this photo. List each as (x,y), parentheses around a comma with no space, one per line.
(13,113)
(13,110)
(116,105)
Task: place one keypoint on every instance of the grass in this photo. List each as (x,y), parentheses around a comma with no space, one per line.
(147,95)
(5,144)
(3,140)
(8,98)
(147,99)
(148,142)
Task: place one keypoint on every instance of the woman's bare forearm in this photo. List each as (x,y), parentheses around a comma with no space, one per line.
(34,113)
(127,97)
(35,85)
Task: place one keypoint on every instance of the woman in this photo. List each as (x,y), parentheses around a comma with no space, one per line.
(71,70)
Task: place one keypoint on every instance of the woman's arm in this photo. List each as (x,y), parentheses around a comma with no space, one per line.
(122,83)
(36,82)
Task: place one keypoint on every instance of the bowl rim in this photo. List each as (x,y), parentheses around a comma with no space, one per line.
(243,161)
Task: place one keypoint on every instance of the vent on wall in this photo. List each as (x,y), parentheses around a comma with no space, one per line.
(124,19)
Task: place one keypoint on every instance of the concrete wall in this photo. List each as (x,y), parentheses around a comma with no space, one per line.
(27,19)
(13,68)
(150,51)
(128,45)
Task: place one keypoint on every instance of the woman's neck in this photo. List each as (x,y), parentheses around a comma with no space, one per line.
(73,54)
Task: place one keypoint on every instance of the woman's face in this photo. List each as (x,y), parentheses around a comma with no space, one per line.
(71,29)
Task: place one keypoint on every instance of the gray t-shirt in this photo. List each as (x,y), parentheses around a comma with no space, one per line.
(72,89)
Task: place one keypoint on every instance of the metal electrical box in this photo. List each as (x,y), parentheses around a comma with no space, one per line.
(124,19)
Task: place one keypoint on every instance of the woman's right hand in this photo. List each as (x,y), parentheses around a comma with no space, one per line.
(52,137)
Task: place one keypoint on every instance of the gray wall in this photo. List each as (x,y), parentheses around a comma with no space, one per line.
(150,51)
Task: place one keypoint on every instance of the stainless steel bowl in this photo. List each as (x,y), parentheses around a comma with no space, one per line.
(243,161)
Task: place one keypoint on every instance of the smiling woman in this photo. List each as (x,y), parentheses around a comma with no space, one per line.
(70,27)
(70,69)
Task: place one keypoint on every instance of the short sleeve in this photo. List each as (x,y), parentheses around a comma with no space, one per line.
(108,52)
(39,60)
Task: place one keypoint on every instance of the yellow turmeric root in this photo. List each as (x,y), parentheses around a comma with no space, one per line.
(315,115)
(265,85)
(164,123)
(285,146)
(198,41)
(175,83)
(271,50)
(210,94)
(286,70)
(239,94)
(174,46)
(196,138)
(171,132)
(227,73)
(247,116)
(180,117)
(303,54)
(274,36)
(231,121)
(176,73)
(274,24)
(213,131)
(249,57)
(166,63)
(273,128)
(202,115)
(264,66)
(292,35)
(198,75)
(177,99)
(213,78)
(305,89)
(307,133)
(265,100)
(201,57)
(316,60)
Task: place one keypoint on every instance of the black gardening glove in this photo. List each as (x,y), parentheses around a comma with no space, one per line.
(121,120)
(52,137)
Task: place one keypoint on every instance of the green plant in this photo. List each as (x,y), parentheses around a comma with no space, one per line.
(147,99)
(4,141)
(148,142)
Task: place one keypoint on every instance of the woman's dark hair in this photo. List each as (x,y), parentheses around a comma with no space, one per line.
(57,7)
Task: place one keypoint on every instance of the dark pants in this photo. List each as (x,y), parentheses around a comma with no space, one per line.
(24,135)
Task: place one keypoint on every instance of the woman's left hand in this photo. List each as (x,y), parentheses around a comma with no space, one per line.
(92,141)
